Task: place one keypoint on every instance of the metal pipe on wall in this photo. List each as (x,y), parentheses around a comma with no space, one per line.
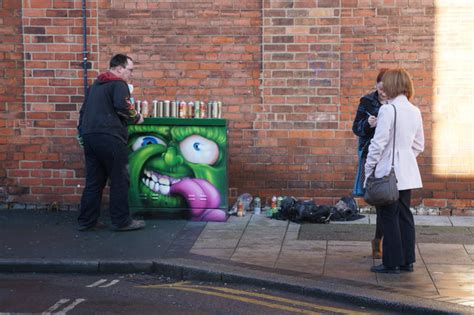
(84,52)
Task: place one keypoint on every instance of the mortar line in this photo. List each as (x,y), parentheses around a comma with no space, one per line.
(240,238)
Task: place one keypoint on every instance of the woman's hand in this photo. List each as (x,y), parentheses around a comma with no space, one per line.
(372,120)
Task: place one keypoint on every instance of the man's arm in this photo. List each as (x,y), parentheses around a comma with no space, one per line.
(123,106)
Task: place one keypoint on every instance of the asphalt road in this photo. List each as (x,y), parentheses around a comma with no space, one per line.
(148,294)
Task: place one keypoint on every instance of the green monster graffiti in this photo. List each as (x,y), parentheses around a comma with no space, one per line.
(176,167)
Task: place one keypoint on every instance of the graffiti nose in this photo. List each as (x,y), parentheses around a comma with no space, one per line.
(172,158)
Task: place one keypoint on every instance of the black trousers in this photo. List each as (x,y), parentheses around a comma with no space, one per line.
(399,232)
(378,225)
(106,157)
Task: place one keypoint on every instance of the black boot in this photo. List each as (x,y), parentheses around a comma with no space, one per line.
(384,269)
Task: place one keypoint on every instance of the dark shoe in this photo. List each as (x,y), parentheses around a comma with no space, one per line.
(133,225)
(95,227)
(408,268)
(384,269)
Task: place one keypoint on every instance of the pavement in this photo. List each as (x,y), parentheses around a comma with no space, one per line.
(325,260)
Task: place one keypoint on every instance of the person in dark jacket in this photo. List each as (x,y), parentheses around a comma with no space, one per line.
(364,127)
(103,133)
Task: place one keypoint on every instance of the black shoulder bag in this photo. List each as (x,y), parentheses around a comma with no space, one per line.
(383,191)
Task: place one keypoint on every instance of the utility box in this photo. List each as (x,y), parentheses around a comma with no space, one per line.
(178,168)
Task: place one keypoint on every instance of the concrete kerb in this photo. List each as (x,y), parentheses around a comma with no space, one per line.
(185,269)
(127,267)
(190,269)
(47,266)
(76,266)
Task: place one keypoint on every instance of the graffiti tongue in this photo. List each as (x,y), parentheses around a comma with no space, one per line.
(202,197)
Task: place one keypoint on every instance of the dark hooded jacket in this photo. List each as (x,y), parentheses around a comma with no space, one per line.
(107,108)
(368,104)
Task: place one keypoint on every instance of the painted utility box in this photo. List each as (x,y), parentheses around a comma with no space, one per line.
(178,168)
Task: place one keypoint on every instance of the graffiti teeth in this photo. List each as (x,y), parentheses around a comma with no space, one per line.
(164,181)
(159,183)
(165,190)
(152,185)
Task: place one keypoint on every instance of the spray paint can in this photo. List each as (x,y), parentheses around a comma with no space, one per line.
(215,110)
(203,110)
(240,209)
(219,109)
(160,109)
(274,202)
(190,110)
(166,108)
(209,109)
(197,109)
(257,206)
(155,108)
(145,109)
(183,109)
(139,107)
(132,99)
(173,109)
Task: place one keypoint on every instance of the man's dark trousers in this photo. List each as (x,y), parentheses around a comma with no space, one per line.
(399,232)
(106,157)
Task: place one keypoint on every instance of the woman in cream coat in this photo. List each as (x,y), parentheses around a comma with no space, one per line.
(397,219)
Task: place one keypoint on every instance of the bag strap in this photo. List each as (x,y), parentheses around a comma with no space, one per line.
(394,132)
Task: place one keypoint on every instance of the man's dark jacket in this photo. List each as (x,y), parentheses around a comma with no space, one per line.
(107,108)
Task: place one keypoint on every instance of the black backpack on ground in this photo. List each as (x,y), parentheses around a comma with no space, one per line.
(302,211)
(346,209)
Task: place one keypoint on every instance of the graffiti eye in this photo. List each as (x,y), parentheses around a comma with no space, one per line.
(199,150)
(146,140)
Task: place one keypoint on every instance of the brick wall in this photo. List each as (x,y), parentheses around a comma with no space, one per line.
(290,74)
(11,98)
(43,163)
(298,138)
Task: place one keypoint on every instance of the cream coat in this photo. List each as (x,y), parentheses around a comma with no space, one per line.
(409,142)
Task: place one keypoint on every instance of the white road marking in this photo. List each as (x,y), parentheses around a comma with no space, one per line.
(73,305)
(55,306)
(96,283)
(110,284)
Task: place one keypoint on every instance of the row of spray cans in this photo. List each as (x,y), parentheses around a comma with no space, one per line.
(180,109)
(243,204)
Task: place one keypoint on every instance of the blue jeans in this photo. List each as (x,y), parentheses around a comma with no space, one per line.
(106,158)
(358,190)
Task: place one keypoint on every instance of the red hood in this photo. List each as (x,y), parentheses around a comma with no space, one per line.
(108,76)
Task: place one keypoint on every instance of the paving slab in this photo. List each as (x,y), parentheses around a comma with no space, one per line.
(363,220)
(432,220)
(462,221)
(445,254)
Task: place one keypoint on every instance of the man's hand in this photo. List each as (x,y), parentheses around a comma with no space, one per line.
(140,120)
(80,141)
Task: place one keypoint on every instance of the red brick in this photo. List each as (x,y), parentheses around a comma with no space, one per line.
(435,203)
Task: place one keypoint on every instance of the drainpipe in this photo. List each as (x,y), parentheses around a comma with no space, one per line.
(84,52)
